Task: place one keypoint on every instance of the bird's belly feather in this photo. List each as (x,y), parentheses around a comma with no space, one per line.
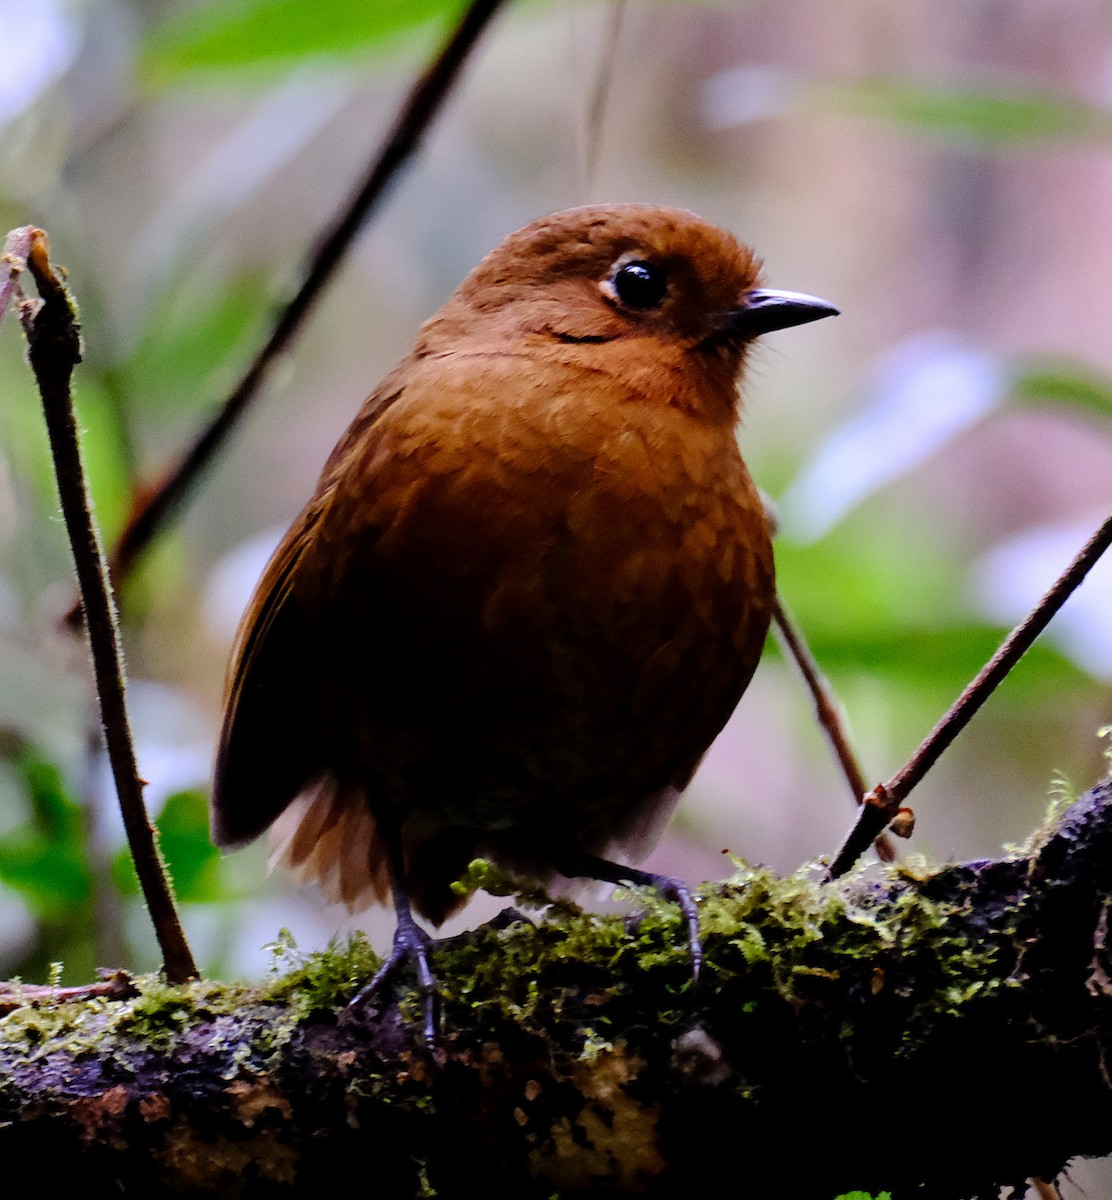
(544,637)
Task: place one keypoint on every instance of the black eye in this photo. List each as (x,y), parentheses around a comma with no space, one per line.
(640,284)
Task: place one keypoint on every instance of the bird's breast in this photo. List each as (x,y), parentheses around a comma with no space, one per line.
(536,594)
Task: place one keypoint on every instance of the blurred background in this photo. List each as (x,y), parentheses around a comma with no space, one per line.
(940,170)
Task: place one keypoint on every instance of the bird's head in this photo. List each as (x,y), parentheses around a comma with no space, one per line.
(627,288)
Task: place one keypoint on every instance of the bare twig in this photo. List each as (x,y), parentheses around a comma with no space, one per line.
(827,712)
(115,985)
(600,92)
(416,115)
(54,349)
(883,802)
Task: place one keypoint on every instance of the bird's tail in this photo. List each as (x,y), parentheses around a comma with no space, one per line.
(329,836)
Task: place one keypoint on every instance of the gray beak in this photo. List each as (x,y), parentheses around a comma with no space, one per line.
(766,309)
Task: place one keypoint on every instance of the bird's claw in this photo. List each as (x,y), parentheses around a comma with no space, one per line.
(411,944)
(578,863)
(680,895)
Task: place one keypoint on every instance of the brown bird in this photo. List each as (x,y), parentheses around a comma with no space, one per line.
(533,582)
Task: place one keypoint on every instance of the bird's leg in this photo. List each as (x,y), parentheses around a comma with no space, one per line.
(411,942)
(578,864)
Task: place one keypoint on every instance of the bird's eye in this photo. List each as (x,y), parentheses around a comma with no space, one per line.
(640,284)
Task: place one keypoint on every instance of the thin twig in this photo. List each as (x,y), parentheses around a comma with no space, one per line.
(54,349)
(116,985)
(600,92)
(413,120)
(883,802)
(827,712)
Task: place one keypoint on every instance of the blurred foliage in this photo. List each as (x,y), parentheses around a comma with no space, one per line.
(182,330)
(993,115)
(192,861)
(1072,384)
(55,862)
(863,616)
(231,36)
(46,860)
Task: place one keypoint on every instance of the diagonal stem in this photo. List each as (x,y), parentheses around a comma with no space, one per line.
(416,115)
(827,712)
(883,802)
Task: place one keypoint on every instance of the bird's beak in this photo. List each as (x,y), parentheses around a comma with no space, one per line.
(766,309)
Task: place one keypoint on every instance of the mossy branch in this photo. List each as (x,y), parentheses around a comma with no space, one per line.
(937,1035)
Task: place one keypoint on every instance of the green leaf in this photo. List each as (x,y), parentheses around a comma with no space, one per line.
(1063,382)
(191,859)
(1002,116)
(46,860)
(183,829)
(868,606)
(860,581)
(190,348)
(233,35)
(106,465)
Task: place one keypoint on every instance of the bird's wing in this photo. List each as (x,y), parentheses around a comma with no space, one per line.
(270,744)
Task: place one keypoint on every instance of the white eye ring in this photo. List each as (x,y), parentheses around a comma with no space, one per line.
(637,284)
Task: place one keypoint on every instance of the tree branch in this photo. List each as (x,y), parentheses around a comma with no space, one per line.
(937,1035)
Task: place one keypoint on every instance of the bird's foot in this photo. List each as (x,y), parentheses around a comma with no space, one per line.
(680,894)
(411,945)
(580,865)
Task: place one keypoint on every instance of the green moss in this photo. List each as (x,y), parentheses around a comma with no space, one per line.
(1063,795)
(792,940)
(800,935)
(25,1030)
(310,983)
